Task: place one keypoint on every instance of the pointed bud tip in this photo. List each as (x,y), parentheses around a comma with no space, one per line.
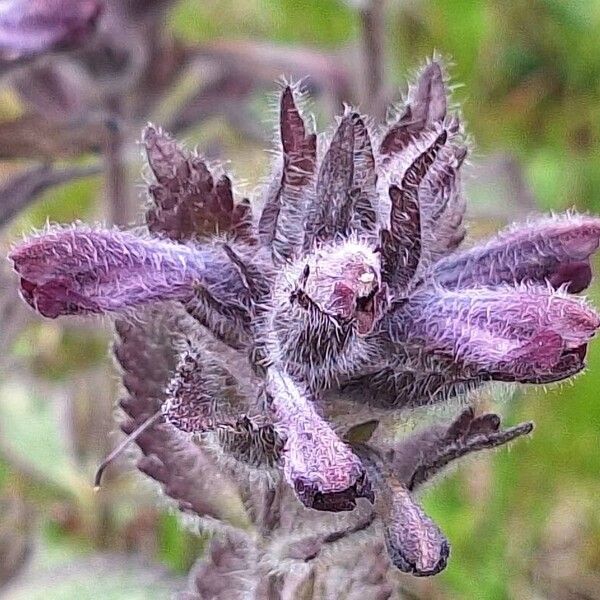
(287,98)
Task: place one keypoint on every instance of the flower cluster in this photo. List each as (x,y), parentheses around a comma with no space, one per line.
(348,299)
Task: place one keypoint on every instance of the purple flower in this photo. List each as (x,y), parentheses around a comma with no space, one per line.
(530,334)
(81,270)
(30,27)
(322,469)
(554,249)
(349,289)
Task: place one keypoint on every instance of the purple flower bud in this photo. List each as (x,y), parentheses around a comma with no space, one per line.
(414,542)
(526,334)
(83,270)
(323,470)
(556,249)
(30,27)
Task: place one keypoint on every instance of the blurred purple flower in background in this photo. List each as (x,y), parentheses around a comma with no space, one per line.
(31,27)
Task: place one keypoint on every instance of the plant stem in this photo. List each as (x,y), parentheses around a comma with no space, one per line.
(115,172)
(373,52)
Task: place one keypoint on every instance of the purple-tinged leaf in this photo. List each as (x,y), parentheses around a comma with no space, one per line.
(363,189)
(188,203)
(223,309)
(554,249)
(229,571)
(426,107)
(193,394)
(428,98)
(283,218)
(346,194)
(232,293)
(204,396)
(424,454)
(255,277)
(251,440)
(442,203)
(333,203)
(401,244)
(145,351)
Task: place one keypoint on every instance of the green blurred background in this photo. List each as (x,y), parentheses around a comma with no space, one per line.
(524,523)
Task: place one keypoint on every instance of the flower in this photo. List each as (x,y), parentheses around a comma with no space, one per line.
(31,27)
(350,286)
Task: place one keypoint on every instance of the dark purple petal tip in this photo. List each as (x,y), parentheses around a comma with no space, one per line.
(56,298)
(311,496)
(332,488)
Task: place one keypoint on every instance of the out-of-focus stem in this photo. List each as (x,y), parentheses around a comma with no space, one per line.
(115,172)
(373,53)
(33,476)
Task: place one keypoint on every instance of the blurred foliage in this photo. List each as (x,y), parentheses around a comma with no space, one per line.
(531,75)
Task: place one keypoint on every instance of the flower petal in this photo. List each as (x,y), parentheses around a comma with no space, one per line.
(556,249)
(323,470)
(83,270)
(414,542)
(527,334)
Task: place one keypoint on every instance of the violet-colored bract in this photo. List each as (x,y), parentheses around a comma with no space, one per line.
(349,288)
